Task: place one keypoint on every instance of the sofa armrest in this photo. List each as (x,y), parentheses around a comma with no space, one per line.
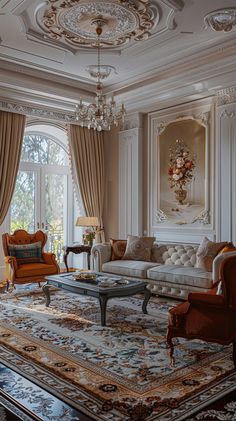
(100,253)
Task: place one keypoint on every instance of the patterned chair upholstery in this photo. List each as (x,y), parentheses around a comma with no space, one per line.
(206,316)
(20,271)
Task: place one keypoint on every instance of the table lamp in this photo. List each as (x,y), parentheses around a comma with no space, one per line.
(88,234)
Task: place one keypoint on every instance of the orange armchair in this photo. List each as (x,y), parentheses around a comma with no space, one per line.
(206,316)
(23,271)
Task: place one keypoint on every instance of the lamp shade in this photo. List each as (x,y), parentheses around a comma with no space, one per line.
(87,221)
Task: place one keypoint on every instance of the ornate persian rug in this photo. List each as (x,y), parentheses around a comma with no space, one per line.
(115,373)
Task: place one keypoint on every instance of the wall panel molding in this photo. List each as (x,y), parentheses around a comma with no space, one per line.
(226,174)
(130,182)
(159,224)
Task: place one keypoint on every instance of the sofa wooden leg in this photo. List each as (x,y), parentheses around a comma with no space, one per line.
(234,353)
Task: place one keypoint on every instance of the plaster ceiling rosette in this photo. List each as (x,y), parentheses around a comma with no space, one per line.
(71,21)
(222,19)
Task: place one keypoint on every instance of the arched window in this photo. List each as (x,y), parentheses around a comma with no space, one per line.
(43,197)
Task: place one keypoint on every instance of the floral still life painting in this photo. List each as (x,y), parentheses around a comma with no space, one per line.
(181,169)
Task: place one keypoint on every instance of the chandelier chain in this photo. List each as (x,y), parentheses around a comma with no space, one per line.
(102,114)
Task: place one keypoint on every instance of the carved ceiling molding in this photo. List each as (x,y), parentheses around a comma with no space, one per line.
(133,121)
(71,21)
(38,112)
(202,118)
(226,96)
(228,114)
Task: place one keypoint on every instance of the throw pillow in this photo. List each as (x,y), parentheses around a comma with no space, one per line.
(117,249)
(206,253)
(138,248)
(27,253)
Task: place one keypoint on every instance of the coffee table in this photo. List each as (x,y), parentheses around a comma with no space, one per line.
(67,282)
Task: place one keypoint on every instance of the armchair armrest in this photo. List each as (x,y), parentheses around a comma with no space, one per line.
(11,267)
(50,259)
(100,253)
(201,299)
(11,260)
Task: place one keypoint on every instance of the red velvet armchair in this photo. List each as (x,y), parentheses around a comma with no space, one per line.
(28,271)
(209,317)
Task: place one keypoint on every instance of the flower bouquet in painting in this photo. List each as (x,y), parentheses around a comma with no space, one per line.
(180,171)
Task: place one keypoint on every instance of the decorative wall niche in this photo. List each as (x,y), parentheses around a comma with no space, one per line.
(179,173)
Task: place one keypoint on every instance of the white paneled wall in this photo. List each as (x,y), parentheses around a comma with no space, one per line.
(226,172)
(130,182)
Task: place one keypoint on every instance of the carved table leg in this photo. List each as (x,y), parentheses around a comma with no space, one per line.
(103,306)
(65,260)
(88,259)
(45,289)
(147,295)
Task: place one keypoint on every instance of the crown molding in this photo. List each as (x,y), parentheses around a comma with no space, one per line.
(45,113)
(196,63)
(226,96)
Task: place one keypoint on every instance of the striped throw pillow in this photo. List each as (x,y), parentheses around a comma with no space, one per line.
(27,253)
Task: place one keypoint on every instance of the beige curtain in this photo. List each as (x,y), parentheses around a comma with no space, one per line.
(11,135)
(87,159)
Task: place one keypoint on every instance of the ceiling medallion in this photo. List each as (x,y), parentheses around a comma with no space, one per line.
(222,19)
(70,20)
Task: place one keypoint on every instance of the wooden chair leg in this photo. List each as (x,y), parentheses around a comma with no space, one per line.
(171,346)
(234,353)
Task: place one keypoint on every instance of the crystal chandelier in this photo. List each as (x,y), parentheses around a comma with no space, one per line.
(102,114)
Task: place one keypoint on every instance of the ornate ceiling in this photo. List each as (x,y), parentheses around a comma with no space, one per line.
(72,21)
(159,52)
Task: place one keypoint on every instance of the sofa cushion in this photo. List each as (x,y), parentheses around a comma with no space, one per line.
(178,274)
(138,248)
(118,248)
(174,254)
(128,268)
(206,253)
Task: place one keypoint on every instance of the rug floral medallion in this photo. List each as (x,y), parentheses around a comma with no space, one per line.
(115,373)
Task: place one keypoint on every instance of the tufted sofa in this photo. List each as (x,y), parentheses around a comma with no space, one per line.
(171,272)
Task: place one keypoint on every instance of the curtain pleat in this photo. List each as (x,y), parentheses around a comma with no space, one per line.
(12,128)
(87,161)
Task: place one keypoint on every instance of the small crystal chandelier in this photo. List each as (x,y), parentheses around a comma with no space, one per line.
(102,114)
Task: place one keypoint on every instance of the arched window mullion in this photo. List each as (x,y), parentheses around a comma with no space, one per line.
(42,188)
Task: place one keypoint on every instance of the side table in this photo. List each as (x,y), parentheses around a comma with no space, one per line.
(77,249)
